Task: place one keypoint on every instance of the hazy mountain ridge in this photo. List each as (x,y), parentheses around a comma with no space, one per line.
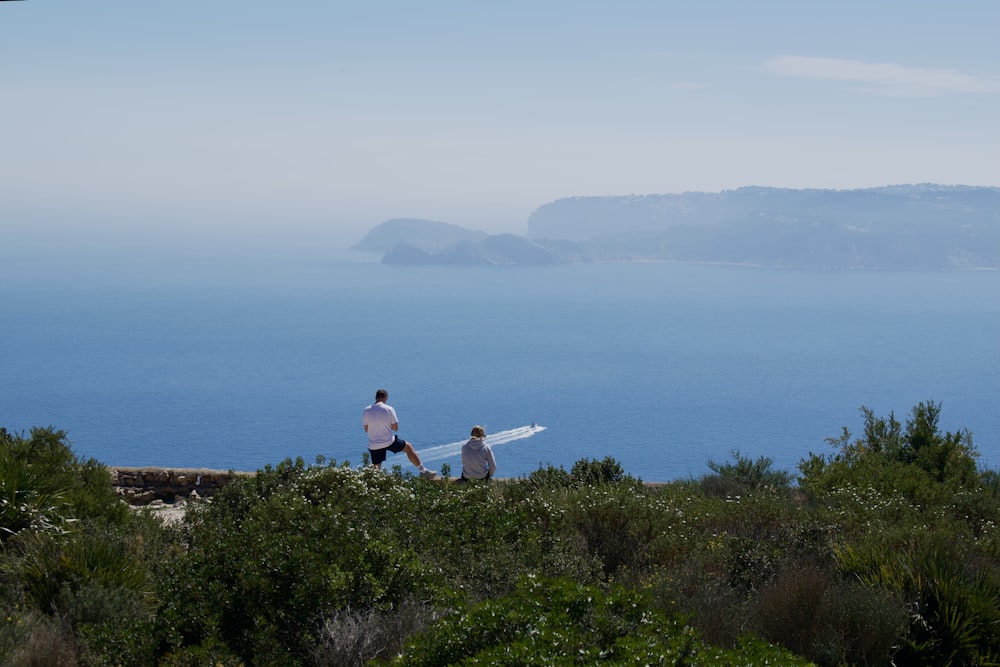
(426,234)
(894,227)
(499,249)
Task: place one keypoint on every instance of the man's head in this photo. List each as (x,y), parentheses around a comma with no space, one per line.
(381,396)
(478,432)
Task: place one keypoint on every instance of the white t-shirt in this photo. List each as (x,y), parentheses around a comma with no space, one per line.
(379,418)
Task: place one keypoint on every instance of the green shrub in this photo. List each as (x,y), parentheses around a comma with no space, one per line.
(696,588)
(549,477)
(954,608)
(585,472)
(594,472)
(73,564)
(616,524)
(45,487)
(483,538)
(812,611)
(275,554)
(28,500)
(561,622)
(95,582)
(919,462)
(211,652)
(743,476)
(112,624)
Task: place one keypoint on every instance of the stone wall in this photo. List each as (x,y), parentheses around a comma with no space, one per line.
(141,486)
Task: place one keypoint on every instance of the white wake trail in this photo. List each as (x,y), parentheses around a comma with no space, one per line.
(439,452)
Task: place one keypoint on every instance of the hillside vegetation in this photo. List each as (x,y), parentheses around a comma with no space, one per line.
(883,551)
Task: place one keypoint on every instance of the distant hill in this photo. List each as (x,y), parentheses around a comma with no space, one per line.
(583,218)
(425,234)
(500,249)
(906,227)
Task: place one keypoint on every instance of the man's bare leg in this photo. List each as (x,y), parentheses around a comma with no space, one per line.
(411,454)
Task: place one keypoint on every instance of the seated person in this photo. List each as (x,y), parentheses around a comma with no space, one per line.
(477,457)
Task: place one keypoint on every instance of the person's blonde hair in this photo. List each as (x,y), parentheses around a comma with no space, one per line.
(478,432)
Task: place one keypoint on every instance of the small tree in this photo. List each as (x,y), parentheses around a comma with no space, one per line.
(744,474)
(887,452)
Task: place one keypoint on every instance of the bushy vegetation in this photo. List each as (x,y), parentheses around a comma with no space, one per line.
(884,551)
(76,567)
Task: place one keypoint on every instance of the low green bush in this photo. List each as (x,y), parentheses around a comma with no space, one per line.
(815,612)
(45,487)
(561,622)
(259,576)
(744,475)
(954,606)
(74,563)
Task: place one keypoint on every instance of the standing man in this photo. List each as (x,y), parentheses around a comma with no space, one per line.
(379,420)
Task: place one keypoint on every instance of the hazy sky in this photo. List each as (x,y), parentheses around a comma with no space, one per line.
(326,118)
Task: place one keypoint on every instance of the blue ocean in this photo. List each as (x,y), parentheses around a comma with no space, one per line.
(661,366)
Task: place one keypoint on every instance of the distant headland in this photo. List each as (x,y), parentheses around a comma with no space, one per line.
(899,227)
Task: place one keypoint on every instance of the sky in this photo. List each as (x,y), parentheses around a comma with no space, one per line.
(317,120)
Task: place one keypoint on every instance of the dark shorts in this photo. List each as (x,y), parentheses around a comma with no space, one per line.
(463,479)
(378,455)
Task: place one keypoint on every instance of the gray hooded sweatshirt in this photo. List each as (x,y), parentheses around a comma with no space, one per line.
(477,459)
